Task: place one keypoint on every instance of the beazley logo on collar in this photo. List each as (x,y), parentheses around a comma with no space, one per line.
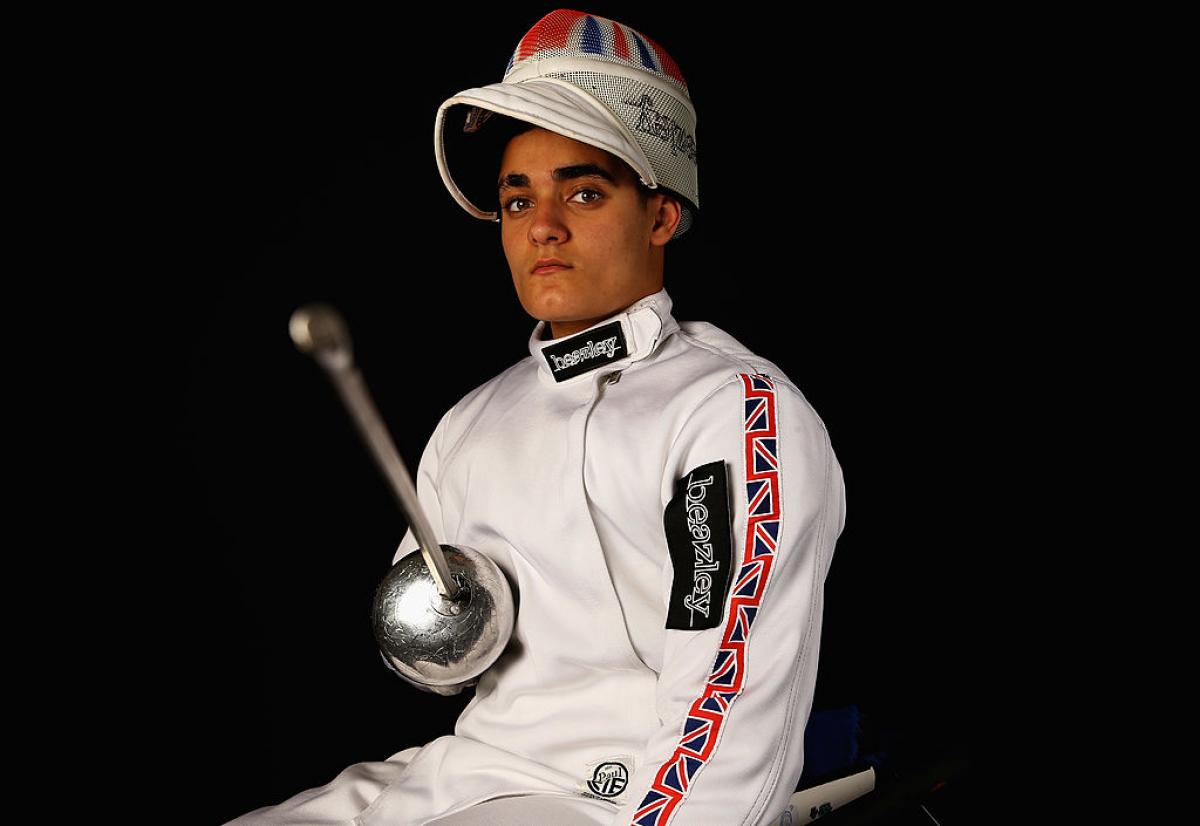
(586,351)
(591,350)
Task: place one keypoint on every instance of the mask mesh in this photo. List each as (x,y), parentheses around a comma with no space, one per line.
(657,122)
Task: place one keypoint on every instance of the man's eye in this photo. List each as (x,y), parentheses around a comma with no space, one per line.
(508,205)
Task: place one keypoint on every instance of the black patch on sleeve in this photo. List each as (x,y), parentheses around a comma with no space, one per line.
(586,351)
(698,527)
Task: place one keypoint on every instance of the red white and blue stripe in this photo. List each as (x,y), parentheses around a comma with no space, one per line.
(564,31)
(706,717)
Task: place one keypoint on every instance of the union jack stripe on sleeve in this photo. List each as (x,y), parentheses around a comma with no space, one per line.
(702,729)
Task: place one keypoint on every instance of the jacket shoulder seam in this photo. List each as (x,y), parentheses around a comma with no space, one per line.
(741,365)
(696,408)
(745,367)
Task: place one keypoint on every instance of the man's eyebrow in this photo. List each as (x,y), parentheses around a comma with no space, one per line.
(563,173)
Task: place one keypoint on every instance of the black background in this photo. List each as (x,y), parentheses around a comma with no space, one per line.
(850,230)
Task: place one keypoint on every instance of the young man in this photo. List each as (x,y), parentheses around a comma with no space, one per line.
(664,502)
(581,238)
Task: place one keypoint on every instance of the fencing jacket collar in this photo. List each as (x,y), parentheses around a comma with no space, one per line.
(613,344)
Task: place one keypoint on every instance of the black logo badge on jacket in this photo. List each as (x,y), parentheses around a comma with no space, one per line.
(586,351)
(699,536)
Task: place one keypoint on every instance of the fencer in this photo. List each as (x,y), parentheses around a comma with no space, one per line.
(665,502)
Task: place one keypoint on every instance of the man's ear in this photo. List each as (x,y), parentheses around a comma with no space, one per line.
(667,212)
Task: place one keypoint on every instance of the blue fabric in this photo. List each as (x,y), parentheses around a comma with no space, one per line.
(831,744)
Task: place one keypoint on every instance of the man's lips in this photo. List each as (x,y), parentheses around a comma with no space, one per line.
(548,265)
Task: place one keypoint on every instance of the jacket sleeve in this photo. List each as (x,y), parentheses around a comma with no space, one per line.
(426,482)
(744,593)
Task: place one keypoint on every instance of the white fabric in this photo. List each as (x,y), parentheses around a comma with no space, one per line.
(552,104)
(527,810)
(564,485)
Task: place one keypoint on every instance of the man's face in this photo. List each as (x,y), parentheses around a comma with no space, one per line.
(566,200)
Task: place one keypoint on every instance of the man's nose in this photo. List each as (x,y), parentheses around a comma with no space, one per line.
(548,224)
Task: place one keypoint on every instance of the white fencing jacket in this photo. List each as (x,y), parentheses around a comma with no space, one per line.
(665,504)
